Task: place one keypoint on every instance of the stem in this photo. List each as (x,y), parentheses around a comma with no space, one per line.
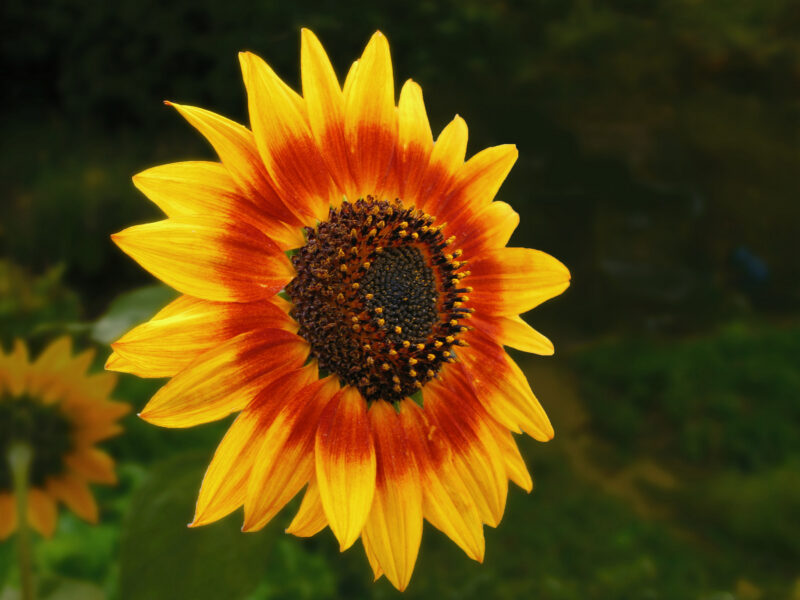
(19,459)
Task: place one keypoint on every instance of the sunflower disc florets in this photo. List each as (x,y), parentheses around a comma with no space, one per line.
(379,295)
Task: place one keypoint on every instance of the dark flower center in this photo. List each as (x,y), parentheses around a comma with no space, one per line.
(43,427)
(379,297)
(403,285)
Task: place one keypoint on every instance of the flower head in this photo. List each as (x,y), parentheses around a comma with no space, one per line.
(59,412)
(348,291)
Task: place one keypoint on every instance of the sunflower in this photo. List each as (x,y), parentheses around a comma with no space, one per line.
(59,412)
(347,290)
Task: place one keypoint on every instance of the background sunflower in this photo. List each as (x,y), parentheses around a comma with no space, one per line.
(658,154)
(60,413)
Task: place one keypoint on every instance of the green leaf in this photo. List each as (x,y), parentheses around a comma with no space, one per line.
(7,558)
(59,588)
(80,551)
(162,559)
(130,309)
(66,589)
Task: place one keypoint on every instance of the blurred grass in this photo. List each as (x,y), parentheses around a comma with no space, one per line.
(727,400)
(719,413)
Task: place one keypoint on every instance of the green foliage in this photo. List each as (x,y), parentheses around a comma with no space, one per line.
(70,590)
(64,197)
(79,552)
(720,413)
(129,310)
(7,560)
(296,573)
(757,512)
(31,305)
(60,589)
(728,400)
(160,557)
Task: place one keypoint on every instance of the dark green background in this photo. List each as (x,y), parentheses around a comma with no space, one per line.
(659,157)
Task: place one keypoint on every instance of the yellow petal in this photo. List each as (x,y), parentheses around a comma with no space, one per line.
(451,146)
(98,433)
(477,182)
(415,142)
(8,515)
(188,189)
(370,116)
(345,465)
(489,228)
(74,492)
(171,341)
(502,388)
(93,465)
(209,259)
(286,456)
(120,364)
(16,370)
(224,379)
(372,558)
(225,483)
(475,456)
(514,280)
(350,79)
(285,141)
(446,158)
(446,502)
(325,104)
(99,385)
(80,363)
(46,373)
(514,332)
(393,530)
(237,150)
(42,513)
(515,464)
(56,355)
(310,518)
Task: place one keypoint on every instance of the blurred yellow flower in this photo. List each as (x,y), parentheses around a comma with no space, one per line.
(53,406)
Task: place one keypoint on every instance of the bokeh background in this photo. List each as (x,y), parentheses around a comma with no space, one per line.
(659,156)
